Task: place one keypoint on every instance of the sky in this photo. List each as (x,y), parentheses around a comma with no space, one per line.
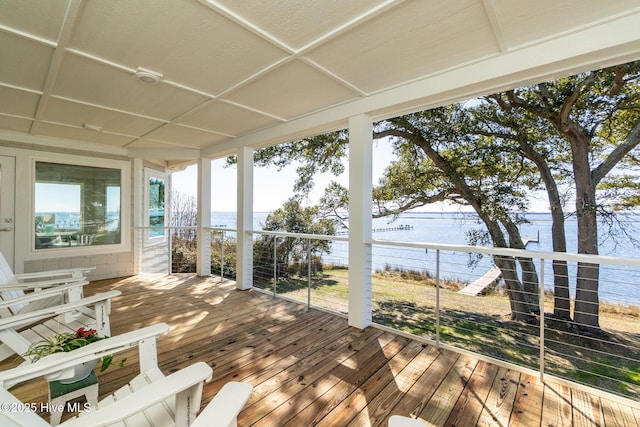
(57,198)
(272,188)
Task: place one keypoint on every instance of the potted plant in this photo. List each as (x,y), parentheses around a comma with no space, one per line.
(68,341)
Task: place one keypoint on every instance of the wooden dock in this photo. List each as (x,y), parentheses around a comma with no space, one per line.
(493,275)
(528,239)
(478,285)
(401,227)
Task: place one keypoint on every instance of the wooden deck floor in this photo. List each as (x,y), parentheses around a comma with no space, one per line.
(310,368)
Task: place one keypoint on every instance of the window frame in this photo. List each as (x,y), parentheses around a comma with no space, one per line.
(148,174)
(125,207)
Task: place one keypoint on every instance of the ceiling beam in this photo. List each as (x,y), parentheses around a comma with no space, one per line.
(46,143)
(164,153)
(493,15)
(66,32)
(595,47)
(292,53)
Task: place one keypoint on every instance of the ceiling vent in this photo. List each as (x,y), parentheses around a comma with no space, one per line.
(147,76)
(92,127)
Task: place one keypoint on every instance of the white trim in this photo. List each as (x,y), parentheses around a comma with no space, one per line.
(45,143)
(609,43)
(360,207)
(244,251)
(146,202)
(203,262)
(28,228)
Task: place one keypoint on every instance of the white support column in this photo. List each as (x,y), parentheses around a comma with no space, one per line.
(138,215)
(360,204)
(204,217)
(244,251)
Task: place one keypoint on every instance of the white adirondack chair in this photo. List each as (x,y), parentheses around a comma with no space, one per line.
(16,285)
(32,299)
(19,331)
(401,421)
(150,399)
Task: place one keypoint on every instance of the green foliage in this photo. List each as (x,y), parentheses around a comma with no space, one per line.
(292,251)
(335,203)
(318,154)
(184,244)
(294,218)
(223,259)
(68,341)
(572,137)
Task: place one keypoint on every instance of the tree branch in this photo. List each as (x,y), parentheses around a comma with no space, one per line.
(631,141)
(411,204)
(570,101)
(545,113)
(618,81)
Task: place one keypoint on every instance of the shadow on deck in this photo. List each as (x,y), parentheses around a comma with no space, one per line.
(309,367)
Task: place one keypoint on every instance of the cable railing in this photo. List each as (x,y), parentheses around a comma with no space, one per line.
(592,340)
(453,296)
(174,250)
(223,252)
(294,266)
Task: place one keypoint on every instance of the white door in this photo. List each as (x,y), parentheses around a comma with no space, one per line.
(154,247)
(7,194)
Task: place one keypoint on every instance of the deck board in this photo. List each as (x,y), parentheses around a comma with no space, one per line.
(527,408)
(419,395)
(499,403)
(309,367)
(472,401)
(440,406)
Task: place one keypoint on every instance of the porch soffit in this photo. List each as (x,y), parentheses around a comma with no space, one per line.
(258,73)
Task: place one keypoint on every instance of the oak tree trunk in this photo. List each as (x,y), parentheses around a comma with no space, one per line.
(587,305)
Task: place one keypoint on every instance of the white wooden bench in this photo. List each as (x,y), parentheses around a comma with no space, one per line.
(40,280)
(480,284)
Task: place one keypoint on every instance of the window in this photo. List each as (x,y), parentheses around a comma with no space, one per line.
(76,206)
(156,206)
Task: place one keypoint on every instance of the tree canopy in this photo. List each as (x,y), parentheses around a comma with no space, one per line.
(291,251)
(574,138)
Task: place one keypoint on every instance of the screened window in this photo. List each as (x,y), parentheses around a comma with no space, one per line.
(76,206)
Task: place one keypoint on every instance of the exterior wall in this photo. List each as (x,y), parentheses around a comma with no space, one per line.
(109,262)
(153,254)
(106,266)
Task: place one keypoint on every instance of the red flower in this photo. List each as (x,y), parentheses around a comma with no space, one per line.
(83,333)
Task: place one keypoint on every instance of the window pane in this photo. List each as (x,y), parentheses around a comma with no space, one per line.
(76,206)
(156,206)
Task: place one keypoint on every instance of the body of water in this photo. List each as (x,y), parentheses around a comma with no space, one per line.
(617,284)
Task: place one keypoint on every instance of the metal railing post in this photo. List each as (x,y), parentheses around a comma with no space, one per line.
(275,264)
(308,273)
(170,246)
(222,256)
(438,298)
(541,303)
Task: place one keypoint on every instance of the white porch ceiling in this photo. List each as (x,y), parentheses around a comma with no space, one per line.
(260,72)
